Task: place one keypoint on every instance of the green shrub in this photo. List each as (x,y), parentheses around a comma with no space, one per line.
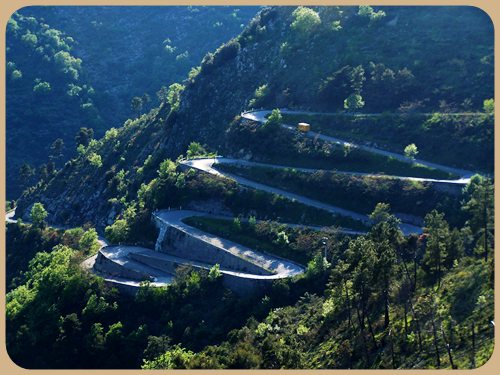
(260,96)
(95,159)
(305,20)
(411,151)
(38,214)
(42,87)
(16,74)
(489,106)
(117,232)
(89,243)
(354,102)
(368,12)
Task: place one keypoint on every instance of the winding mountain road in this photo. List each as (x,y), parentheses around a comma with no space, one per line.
(260,116)
(204,162)
(146,261)
(277,267)
(207,165)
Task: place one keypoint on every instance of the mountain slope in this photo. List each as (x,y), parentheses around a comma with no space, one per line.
(132,51)
(88,71)
(413,291)
(297,63)
(47,95)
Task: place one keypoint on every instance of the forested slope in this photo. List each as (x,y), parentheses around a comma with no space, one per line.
(73,67)
(273,52)
(48,98)
(378,299)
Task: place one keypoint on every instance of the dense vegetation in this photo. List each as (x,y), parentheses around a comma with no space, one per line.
(389,302)
(270,52)
(159,44)
(378,300)
(60,316)
(25,241)
(48,98)
(63,75)
(354,55)
(65,318)
(22,245)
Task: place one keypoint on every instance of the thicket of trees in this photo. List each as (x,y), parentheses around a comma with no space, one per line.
(379,300)
(389,302)
(51,87)
(46,87)
(60,316)
(25,241)
(376,79)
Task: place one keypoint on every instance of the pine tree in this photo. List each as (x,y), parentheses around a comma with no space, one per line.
(479,205)
(436,252)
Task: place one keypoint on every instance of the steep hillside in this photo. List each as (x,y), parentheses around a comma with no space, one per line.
(85,74)
(139,50)
(48,97)
(363,238)
(303,61)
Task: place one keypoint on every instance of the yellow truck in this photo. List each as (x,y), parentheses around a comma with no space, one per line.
(303,127)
